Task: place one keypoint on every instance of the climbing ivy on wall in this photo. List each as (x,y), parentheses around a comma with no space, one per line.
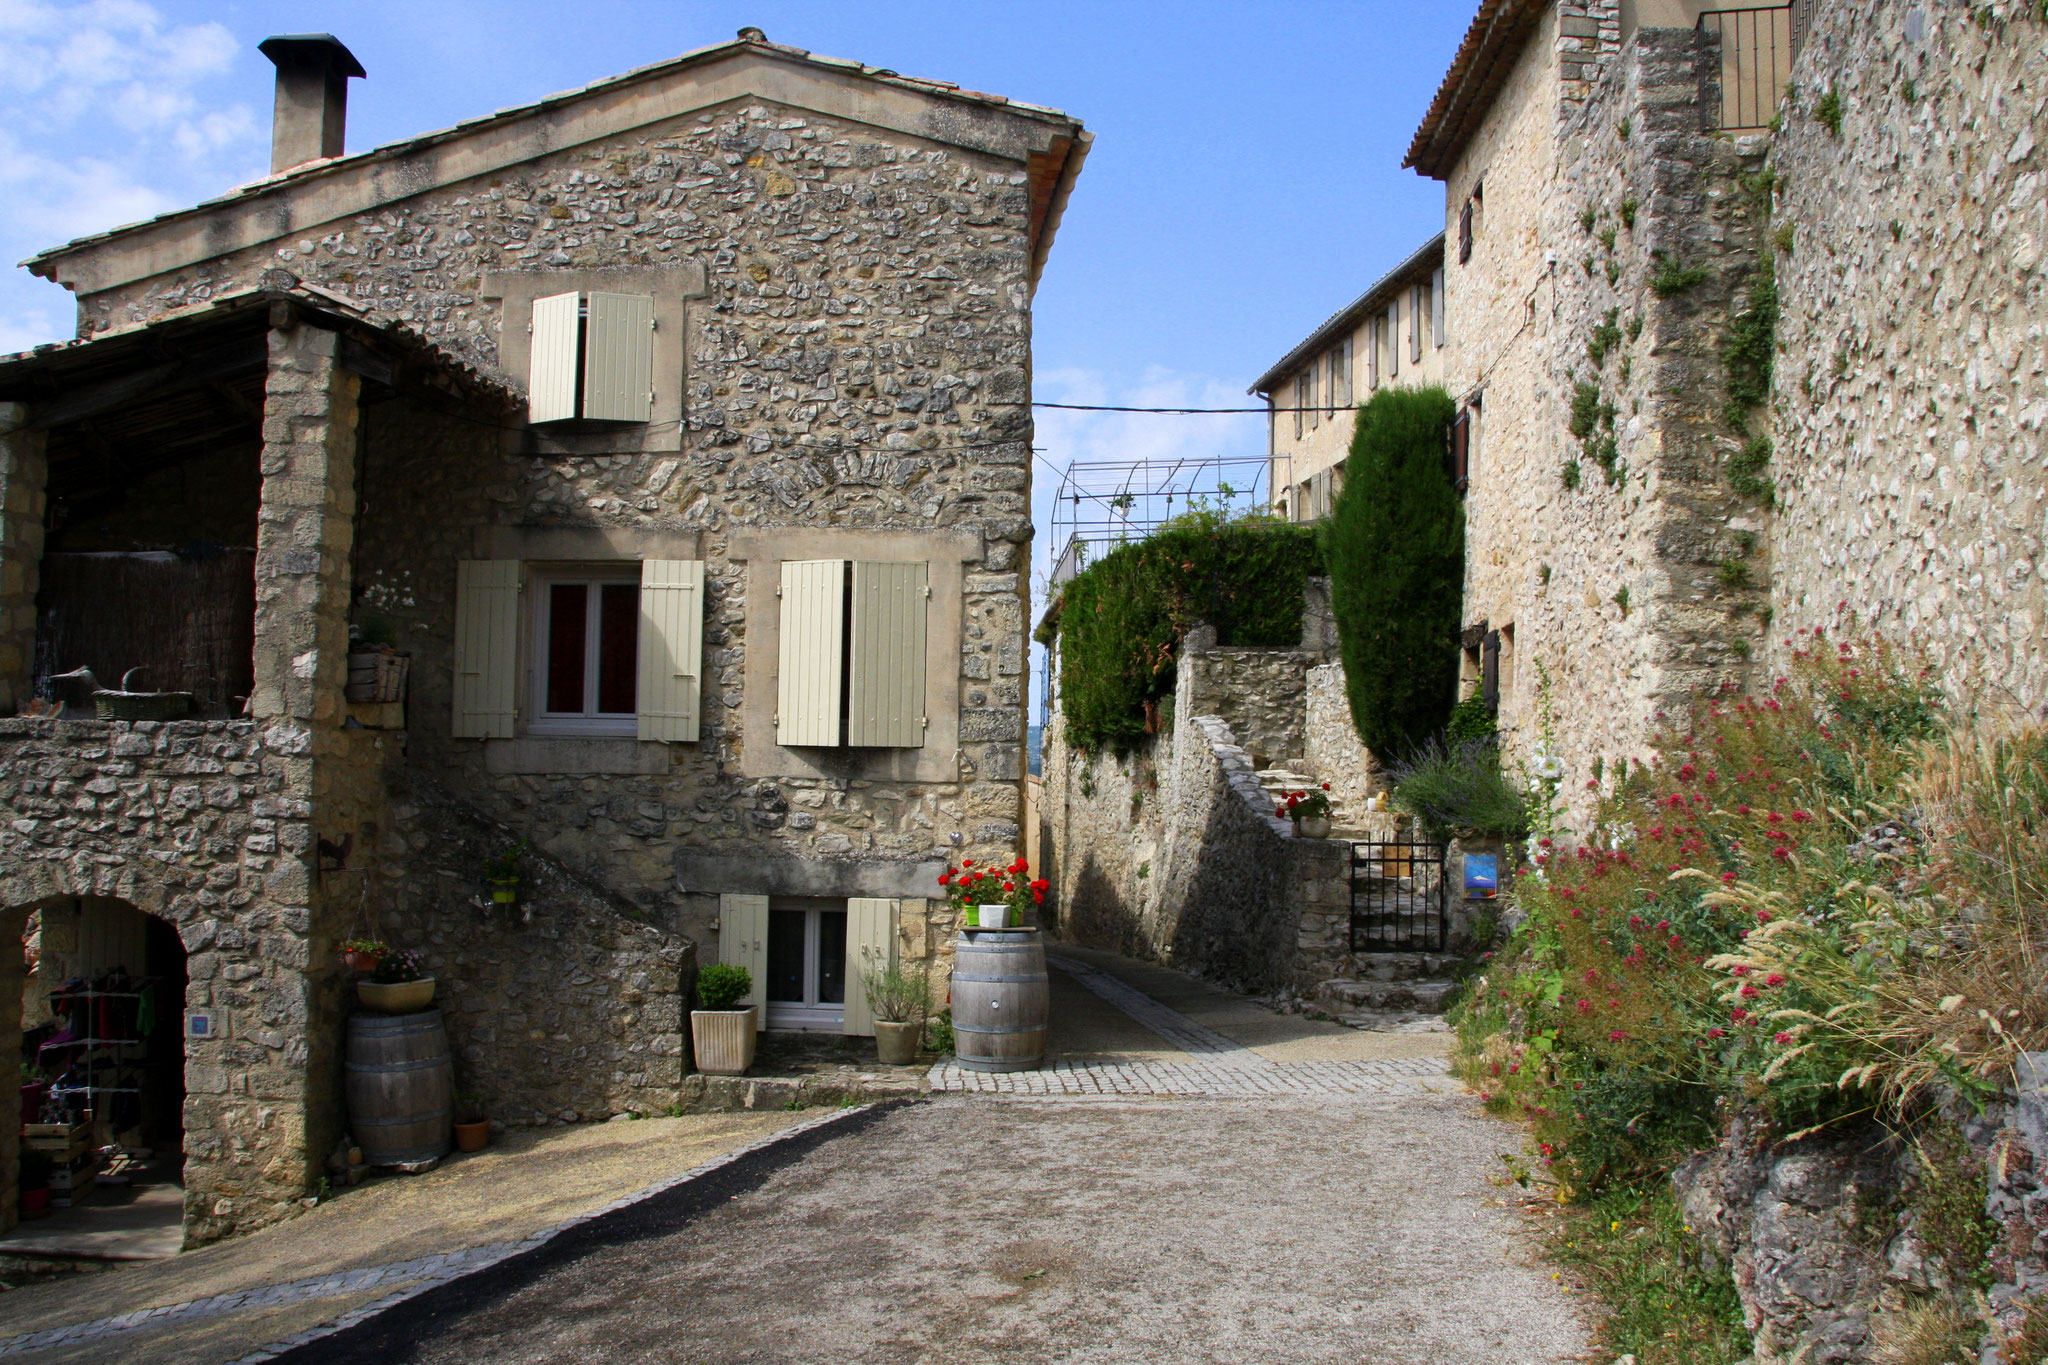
(1748,354)
(1395,549)
(1120,622)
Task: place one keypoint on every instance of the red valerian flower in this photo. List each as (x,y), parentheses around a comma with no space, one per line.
(1774,979)
(1585,1007)
(1728,877)
(1738,1015)
(1782,1039)
(1616,1036)
(1750,992)
(1717,1033)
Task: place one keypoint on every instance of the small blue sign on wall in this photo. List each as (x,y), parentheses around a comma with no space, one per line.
(1482,876)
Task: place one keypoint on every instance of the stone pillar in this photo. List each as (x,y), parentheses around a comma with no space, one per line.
(23,476)
(305,529)
(304,535)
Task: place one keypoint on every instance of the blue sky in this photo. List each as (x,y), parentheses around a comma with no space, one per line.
(1245,180)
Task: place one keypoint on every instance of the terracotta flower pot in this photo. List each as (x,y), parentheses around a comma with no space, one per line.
(896,1041)
(396,997)
(361,962)
(472,1137)
(723,1040)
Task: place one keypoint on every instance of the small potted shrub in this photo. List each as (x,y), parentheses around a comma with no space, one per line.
(900,999)
(472,1128)
(1310,812)
(33,1184)
(721,1029)
(992,897)
(503,873)
(396,985)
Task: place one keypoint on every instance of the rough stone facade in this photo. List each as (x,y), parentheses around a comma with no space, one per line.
(851,379)
(1908,413)
(1331,747)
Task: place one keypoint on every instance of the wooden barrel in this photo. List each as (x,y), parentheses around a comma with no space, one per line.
(1000,1000)
(400,1083)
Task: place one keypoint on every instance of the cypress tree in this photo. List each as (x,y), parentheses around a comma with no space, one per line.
(1394,546)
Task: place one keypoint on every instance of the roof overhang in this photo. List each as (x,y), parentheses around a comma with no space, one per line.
(1498,34)
(1420,266)
(1048,144)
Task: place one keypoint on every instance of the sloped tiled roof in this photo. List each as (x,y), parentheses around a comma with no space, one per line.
(1493,42)
(1420,265)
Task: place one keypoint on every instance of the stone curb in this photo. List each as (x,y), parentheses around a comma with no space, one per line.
(418,1275)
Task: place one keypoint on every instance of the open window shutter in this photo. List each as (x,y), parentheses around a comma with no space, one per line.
(618,358)
(1460,447)
(671,648)
(1418,315)
(870,947)
(486,648)
(743,942)
(808,681)
(551,386)
(1392,331)
(886,704)
(1436,305)
(1465,233)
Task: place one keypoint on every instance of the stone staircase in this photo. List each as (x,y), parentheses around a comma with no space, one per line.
(1392,991)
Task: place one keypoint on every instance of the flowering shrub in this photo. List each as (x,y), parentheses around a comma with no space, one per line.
(968,886)
(1728,913)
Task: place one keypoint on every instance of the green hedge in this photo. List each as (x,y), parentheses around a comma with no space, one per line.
(1120,622)
(1395,548)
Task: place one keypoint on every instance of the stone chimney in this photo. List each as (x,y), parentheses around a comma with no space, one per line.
(312,97)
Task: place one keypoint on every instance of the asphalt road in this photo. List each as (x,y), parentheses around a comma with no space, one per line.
(967,1230)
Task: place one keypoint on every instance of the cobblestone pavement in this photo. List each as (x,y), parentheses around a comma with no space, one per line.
(1214,1067)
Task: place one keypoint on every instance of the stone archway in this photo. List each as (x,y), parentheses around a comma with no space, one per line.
(132,1075)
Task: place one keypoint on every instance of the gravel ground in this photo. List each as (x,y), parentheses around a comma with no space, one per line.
(969,1230)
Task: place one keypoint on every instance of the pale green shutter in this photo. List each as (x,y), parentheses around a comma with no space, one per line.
(671,648)
(870,947)
(618,358)
(885,706)
(743,942)
(486,648)
(1436,306)
(551,381)
(808,682)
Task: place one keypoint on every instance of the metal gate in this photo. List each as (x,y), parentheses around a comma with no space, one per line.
(1400,899)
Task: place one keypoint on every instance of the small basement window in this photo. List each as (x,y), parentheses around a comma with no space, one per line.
(592,358)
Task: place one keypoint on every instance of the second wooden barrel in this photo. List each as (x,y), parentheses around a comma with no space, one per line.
(400,1083)
(1001,1000)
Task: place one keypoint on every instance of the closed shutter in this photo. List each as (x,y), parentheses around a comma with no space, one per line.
(486,648)
(1347,362)
(1436,305)
(743,942)
(808,681)
(618,358)
(870,947)
(1418,314)
(1372,353)
(885,703)
(551,386)
(1300,405)
(1465,233)
(1391,330)
(671,648)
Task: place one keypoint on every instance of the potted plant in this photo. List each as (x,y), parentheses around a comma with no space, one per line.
(722,1030)
(361,954)
(1310,812)
(502,870)
(992,897)
(472,1128)
(396,985)
(899,999)
(33,1183)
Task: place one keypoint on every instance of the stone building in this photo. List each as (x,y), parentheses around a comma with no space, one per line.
(1391,334)
(673,432)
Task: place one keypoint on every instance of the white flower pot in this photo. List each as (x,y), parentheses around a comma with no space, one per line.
(1313,827)
(993,916)
(723,1040)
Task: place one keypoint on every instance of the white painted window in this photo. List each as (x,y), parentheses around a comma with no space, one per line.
(611,649)
(851,655)
(592,358)
(806,983)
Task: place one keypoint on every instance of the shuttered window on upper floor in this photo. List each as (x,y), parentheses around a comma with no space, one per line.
(592,358)
(1436,305)
(1390,330)
(851,656)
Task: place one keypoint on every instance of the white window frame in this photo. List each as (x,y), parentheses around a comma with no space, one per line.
(811,1015)
(540,580)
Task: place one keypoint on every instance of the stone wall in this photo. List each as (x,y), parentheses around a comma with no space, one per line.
(200,824)
(1331,747)
(1908,412)
(23,474)
(1619,563)
(1172,853)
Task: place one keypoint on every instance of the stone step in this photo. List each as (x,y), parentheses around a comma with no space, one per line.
(1381,967)
(1424,995)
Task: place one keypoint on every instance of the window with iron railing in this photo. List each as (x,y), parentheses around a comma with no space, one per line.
(1757,49)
